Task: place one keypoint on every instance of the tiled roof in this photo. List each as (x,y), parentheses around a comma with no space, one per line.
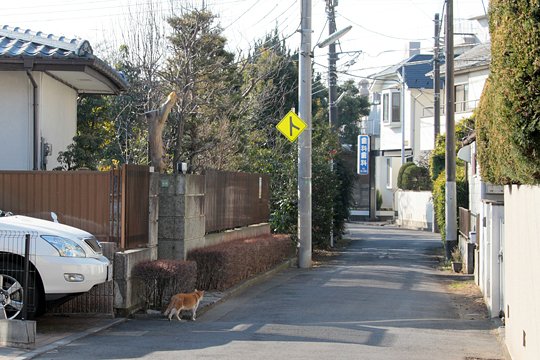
(415,67)
(17,42)
(58,56)
(478,56)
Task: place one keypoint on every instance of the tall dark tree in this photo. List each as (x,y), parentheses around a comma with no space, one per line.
(204,76)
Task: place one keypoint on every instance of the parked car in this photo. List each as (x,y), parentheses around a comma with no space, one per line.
(64,261)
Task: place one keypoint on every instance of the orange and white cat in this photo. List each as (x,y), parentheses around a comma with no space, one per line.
(179,302)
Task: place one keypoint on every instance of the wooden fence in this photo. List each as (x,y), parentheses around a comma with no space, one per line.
(234,199)
(111,205)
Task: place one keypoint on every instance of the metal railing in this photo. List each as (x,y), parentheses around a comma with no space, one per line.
(18,278)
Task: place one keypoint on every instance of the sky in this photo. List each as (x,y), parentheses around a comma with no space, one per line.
(381,29)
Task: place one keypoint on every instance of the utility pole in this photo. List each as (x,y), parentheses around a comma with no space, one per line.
(304,140)
(436,83)
(450,210)
(332,86)
(332,59)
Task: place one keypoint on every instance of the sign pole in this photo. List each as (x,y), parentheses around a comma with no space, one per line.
(304,143)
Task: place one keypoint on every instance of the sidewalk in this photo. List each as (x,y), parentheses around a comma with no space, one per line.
(53,331)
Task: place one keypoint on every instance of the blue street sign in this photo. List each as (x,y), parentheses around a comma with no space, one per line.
(363,155)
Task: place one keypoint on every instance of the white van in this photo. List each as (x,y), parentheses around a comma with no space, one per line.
(65,261)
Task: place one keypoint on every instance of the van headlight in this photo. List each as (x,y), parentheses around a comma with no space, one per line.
(66,247)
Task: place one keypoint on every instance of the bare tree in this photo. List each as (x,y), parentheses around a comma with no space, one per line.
(156,123)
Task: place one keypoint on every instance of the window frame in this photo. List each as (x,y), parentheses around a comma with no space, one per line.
(391,113)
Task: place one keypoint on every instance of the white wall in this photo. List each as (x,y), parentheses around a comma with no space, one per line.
(522,270)
(415,209)
(58,117)
(57,114)
(476,81)
(16,126)
(387,192)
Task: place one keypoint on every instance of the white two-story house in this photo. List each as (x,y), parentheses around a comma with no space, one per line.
(399,95)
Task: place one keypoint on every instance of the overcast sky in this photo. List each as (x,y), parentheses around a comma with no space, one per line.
(381,30)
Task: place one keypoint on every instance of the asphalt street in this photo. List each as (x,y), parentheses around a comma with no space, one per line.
(383,298)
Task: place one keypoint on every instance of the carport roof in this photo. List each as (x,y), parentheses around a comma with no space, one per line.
(70,61)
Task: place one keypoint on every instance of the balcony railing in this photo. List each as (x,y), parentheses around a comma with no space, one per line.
(459,106)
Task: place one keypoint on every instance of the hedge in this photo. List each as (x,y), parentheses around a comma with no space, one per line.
(414,177)
(224,265)
(158,280)
(508,131)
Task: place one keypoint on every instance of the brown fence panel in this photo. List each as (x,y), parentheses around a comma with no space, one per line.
(464,221)
(134,207)
(234,199)
(80,199)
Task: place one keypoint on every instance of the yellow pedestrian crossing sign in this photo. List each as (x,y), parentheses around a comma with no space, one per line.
(291,126)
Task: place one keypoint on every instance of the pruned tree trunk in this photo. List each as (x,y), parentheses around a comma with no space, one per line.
(156,123)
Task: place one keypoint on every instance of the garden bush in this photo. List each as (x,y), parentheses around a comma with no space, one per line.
(158,280)
(414,177)
(224,265)
(400,173)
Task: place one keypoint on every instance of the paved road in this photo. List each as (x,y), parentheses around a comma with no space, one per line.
(382,299)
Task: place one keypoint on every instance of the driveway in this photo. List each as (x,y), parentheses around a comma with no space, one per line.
(381,299)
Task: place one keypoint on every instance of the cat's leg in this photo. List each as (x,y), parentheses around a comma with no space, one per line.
(171,314)
(178,314)
(194,314)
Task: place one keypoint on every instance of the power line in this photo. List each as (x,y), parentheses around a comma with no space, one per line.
(376,32)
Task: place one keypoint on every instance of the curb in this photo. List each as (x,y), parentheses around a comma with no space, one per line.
(69,339)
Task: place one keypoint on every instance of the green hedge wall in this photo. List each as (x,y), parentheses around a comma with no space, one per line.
(508,117)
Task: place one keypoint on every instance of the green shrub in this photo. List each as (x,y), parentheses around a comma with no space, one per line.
(160,279)
(379,200)
(224,265)
(509,110)
(414,177)
(400,173)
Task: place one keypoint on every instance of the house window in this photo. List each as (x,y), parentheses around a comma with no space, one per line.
(391,111)
(389,173)
(396,107)
(461,93)
(385,107)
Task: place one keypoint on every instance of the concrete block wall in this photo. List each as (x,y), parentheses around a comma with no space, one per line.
(194,218)
(126,294)
(172,189)
(182,219)
(18,333)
